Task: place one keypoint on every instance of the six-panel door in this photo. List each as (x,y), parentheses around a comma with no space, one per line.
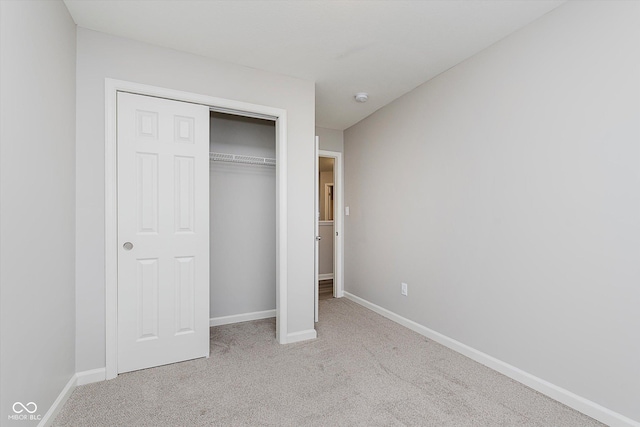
(163,231)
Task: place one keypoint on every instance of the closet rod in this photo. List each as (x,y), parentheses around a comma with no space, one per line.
(239,158)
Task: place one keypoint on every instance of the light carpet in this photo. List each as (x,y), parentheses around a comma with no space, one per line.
(362,370)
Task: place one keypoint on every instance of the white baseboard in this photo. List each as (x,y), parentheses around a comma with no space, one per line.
(309,334)
(325,276)
(237,318)
(579,403)
(79,378)
(57,405)
(91,376)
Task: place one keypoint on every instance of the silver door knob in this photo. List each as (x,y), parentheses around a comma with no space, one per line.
(128,246)
(318,238)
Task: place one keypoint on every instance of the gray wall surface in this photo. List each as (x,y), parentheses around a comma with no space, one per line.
(37,207)
(243,218)
(101,56)
(512,185)
(330,139)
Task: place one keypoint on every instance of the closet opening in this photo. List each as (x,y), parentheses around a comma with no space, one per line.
(242,218)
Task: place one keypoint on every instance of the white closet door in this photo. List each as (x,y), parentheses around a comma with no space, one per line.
(316,288)
(163,231)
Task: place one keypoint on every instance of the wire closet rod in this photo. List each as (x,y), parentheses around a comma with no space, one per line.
(239,158)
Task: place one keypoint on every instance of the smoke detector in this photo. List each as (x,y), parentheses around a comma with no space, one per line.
(362,97)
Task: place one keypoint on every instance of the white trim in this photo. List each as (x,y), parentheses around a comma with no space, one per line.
(112,86)
(309,334)
(111,231)
(237,318)
(91,376)
(77,379)
(338,220)
(325,276)
(281,225)
(57,405)
(566,397)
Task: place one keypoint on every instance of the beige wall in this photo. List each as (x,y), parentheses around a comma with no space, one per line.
(512,190)
(37,203)
(325,178)
(101,56)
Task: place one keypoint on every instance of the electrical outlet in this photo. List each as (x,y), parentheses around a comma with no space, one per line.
(404,289)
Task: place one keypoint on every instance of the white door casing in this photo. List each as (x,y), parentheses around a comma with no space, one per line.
(163,231)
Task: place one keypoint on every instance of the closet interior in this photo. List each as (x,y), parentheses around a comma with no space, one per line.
(242,216)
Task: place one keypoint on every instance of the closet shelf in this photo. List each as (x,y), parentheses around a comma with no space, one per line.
(238,158)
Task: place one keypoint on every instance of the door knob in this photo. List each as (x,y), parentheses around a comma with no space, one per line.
(318,238)
(128,246)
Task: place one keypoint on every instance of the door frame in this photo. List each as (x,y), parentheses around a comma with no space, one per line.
(112,87)
(338,221)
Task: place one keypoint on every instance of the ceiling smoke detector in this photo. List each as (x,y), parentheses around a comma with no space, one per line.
(362,97)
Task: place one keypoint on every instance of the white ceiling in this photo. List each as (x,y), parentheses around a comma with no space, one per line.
(385,48)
